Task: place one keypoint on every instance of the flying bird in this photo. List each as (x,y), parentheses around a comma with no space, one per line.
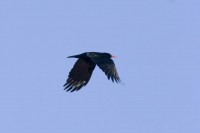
(82,70)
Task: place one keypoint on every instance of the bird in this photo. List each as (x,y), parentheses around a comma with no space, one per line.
(82,70)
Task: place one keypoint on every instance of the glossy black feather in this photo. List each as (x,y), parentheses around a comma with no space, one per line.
(81,73)
(107,66)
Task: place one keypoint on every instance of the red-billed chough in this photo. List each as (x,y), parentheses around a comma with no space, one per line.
(81,72)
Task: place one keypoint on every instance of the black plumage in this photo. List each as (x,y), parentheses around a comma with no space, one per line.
(81,72)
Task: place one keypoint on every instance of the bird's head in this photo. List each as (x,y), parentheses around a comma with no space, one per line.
(109,55)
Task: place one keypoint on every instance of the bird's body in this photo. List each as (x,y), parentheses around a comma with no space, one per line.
(80,74)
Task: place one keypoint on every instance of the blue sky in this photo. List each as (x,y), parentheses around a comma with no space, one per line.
(157,44)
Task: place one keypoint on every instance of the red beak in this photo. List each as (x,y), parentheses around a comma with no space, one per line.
(114,56)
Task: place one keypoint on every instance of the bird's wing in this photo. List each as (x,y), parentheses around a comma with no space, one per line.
(108,67)
(79,75)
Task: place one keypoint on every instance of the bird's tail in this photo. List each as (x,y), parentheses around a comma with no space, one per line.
(73,56)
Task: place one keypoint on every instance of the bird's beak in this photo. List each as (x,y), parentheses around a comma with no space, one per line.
(114,56)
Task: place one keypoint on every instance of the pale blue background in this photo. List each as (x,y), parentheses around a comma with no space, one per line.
(158,47)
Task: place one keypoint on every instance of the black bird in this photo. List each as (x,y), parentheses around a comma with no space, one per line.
(81,72)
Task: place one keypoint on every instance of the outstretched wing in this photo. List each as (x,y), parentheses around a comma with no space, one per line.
(79,75)
(108,67)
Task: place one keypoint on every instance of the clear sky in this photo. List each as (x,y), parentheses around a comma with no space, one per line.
(158,47)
